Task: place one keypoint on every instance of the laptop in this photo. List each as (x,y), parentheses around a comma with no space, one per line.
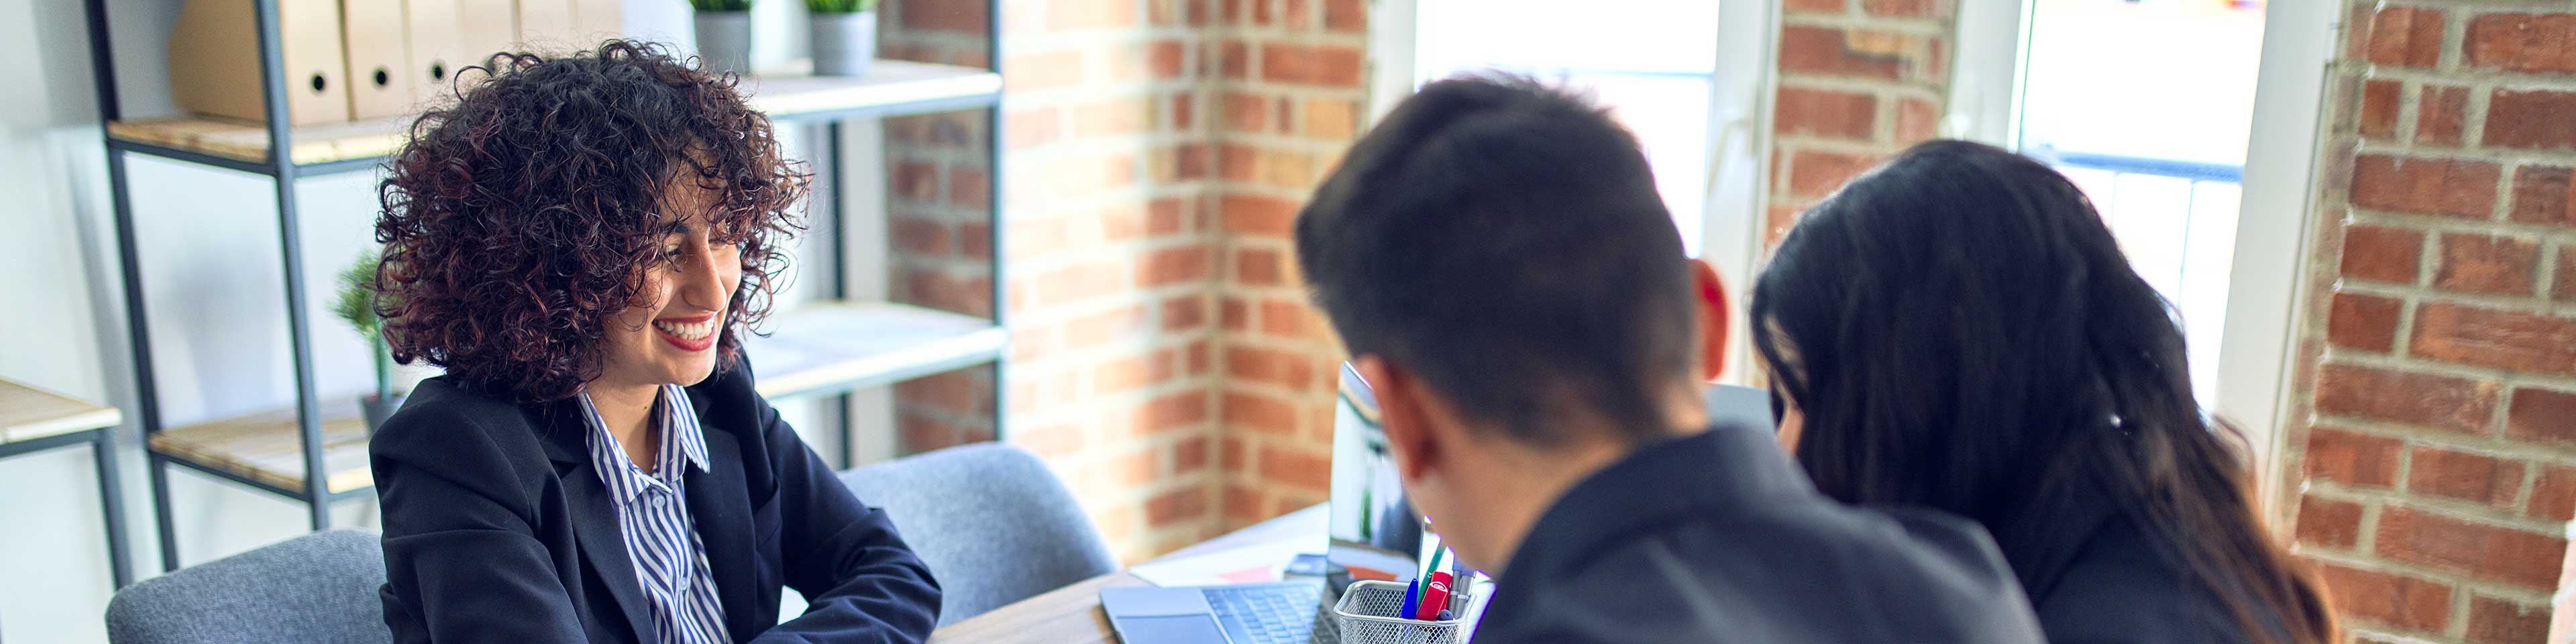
(1270,613)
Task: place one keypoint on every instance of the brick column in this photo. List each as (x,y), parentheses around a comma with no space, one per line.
(2439,470)
(1164,359)
(1288,86)
(936,218)
(1110,254)
(1859,81)
(1110,260)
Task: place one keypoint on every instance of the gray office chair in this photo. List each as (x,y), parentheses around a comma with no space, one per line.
(992,522)
(318,588)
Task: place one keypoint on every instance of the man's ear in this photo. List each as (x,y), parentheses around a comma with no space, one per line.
(1713,310)
(1402,413)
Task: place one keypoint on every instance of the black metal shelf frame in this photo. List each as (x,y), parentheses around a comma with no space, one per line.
(281,169)
(111,488)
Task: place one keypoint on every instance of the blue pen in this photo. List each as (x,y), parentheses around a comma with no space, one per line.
(1411,588)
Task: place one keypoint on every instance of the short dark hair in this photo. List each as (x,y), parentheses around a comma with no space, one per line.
(517,220)
(1504,241)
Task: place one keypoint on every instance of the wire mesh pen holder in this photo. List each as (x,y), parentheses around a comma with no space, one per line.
(1366,615)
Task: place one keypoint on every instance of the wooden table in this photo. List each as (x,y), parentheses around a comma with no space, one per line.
(1071,615)
(34,420)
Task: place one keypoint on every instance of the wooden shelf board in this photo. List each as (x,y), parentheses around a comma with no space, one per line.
(888,83)
(248,141)
(837,346)
(818,348)
(264,447)
(28,413)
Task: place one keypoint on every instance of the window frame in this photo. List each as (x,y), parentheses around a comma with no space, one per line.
(1739,139)
(2268,287)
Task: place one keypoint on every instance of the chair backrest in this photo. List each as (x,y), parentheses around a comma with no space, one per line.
(993,523)
(319,588)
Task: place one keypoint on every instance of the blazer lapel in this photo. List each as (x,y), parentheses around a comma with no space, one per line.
(719,501)
(596,525)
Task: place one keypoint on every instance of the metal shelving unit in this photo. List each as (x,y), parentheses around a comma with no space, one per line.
(826,348)
(35,420)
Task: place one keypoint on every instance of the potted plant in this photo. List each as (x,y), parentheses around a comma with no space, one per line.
(844,36)
(357,306)
(724,35)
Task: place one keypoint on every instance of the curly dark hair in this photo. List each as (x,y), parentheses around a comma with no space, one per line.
(518,220)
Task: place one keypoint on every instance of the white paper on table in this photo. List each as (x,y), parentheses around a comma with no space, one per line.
(1371,562)
(1246,565)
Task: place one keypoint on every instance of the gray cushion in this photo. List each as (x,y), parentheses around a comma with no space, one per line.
(992,522)
(319,588)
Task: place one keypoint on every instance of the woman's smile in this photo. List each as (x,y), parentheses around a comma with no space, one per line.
(691,333)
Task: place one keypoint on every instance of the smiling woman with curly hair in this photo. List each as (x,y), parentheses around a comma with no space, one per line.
(581,241)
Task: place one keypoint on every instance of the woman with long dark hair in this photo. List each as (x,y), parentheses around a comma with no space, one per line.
(1958,329)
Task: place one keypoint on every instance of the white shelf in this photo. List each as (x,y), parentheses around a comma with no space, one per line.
(834,347)
(788,93)
(28,413)
(821,348)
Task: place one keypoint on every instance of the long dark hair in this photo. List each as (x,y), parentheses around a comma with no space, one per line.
(1962,332)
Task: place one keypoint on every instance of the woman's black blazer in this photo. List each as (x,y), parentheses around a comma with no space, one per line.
(497,528)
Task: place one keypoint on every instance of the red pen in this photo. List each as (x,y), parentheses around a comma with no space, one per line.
(1435,596)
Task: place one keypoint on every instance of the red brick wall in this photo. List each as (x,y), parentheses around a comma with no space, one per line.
(1109,250)
(1164,361)
(1288,98)
(937,206)
(1859,81)
(2439,472)
(1111,254)
(1167,365)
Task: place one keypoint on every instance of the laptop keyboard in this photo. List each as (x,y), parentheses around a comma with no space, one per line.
(1268,614)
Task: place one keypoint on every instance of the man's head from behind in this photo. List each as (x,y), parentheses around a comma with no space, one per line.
(1495,255)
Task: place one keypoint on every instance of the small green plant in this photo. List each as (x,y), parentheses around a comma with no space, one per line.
(720,5)
(358,306)
(840,6)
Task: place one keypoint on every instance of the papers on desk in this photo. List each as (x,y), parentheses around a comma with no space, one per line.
(1247,565)
(1261,562)
(1371,563)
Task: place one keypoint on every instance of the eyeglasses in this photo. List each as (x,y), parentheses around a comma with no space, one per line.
(1356,392)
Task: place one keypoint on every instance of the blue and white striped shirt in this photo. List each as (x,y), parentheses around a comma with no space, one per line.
(653,514)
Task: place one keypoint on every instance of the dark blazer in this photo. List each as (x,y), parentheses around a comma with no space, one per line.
(1717,537)
(497,528)
(2095,575)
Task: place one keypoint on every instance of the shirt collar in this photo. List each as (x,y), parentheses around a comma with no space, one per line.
(683,442)
(1720,472)
(683,417)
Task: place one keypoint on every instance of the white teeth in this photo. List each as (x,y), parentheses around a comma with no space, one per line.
(688,331)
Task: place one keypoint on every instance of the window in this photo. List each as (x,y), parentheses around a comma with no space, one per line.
(1687,76)
(1651,61)
(2193,125)
(2146,104)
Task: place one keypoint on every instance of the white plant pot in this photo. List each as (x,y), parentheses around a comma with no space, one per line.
(724,41)
(844,43)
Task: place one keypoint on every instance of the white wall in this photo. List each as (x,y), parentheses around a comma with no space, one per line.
(60,334)
(209,243)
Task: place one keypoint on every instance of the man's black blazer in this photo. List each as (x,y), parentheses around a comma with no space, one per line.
(497,528)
